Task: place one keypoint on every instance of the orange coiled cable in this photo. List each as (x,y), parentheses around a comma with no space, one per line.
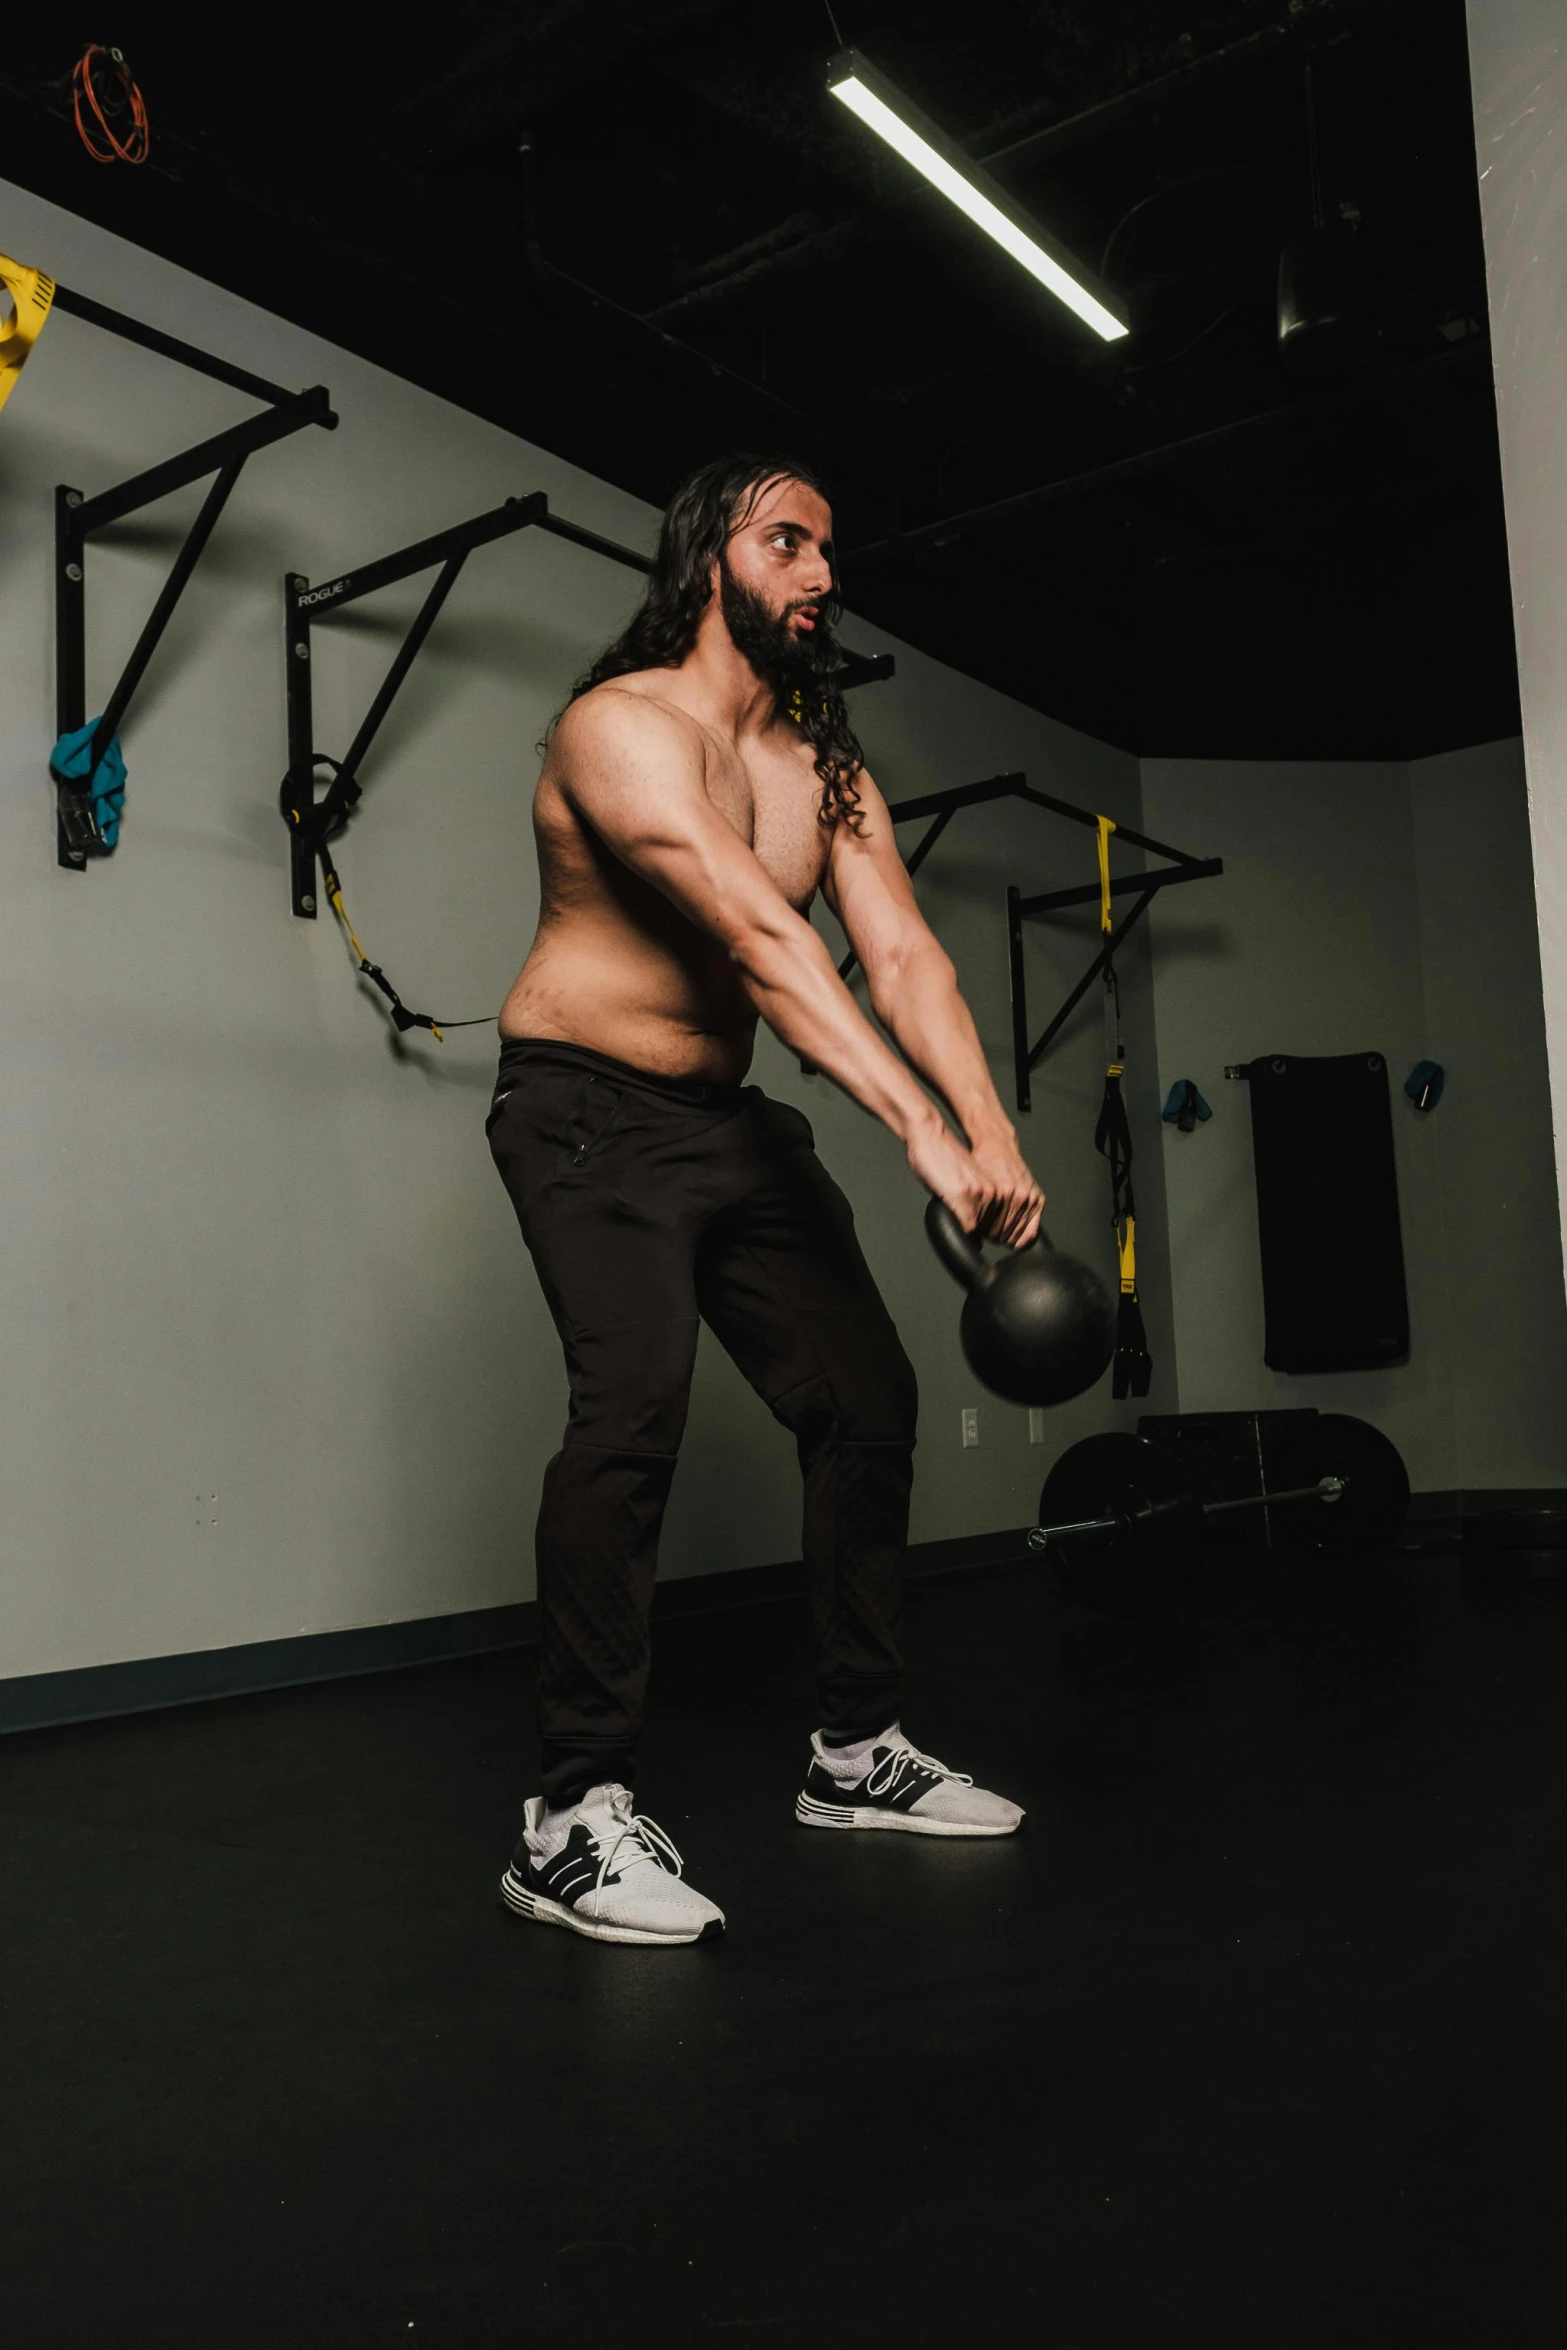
(120,98)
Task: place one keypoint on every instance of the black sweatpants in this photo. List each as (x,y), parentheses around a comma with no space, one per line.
(648,1206)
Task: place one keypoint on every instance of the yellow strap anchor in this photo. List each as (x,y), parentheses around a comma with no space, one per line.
(32,293)
(1106,827)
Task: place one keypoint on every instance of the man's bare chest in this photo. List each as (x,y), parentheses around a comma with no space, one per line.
(772,803)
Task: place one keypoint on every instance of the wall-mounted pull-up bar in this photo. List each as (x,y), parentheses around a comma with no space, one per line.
(313,823)
(1145,886)
(942,806)
(79,755)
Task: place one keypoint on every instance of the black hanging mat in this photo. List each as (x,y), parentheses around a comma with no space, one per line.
(1327,1213)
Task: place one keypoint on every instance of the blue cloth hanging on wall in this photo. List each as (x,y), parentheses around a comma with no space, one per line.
(1184,1106)
(69,762)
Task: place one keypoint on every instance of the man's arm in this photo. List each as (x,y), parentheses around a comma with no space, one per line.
(633,769)
(914,992)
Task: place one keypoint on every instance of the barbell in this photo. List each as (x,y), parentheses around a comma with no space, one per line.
(1125,1533)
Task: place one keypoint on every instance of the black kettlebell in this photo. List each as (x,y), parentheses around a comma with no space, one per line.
(1038,1327)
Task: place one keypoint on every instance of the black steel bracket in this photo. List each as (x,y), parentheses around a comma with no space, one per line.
(1144,887)
(942,806)
(312,822)
(76,518)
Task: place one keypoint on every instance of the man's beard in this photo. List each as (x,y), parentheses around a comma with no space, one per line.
(781,654)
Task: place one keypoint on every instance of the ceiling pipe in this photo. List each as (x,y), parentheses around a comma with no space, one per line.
(535,57)
(1310,25)
(933,536)
(649,345)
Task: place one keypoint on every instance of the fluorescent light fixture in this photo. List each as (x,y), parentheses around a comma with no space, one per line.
(889,114)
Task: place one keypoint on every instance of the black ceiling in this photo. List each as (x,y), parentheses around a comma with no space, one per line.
(640,232)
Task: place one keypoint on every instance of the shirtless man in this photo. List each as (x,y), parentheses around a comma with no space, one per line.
(699,789)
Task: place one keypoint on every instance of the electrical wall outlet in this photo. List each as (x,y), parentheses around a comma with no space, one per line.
(1036,1425)
(970,1426)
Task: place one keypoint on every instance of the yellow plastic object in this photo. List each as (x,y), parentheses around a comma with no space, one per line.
(33,294)
(1126,1246)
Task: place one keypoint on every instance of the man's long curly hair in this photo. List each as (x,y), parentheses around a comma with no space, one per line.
(699,521)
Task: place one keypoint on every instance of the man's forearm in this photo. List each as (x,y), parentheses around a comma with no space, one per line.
(921,1005)
(792,980)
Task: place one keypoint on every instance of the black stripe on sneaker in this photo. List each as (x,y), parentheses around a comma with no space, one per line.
(569,1873)
(572,1873)
(913,1779)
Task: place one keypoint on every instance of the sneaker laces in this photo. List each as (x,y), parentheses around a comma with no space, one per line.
(646,1838)
(887,1776)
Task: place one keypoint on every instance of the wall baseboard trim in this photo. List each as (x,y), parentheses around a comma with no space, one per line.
(1468,1502)
(91,1693)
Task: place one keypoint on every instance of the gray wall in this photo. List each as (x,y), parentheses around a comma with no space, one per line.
(1518,67)
(1506,1321)
(275,1359)
(1390,907)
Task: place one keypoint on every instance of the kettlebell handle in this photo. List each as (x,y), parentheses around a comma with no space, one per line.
(958,1250)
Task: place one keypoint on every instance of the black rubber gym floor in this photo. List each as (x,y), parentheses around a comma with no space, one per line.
(1253,2038)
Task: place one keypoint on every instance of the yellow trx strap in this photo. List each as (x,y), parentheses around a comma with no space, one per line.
(1106,827)
(334,894)
(1127,1244)
(33,294)
(1113,1138)
(400,1012)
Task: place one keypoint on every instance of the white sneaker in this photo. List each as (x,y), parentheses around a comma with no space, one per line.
(608,1873)
(887,1783)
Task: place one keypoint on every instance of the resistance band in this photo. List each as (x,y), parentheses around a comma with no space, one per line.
(1113,1140)
(33,295)
(103,80)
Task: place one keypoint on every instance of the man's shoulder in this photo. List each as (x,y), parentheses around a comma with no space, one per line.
(616,732)
(625,708)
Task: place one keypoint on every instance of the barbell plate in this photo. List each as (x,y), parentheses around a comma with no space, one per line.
(1154,1552)
(1369,1515)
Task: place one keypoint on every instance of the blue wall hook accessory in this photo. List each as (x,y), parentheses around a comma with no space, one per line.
(1424,1084)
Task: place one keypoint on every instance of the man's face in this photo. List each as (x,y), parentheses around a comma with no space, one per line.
(774,579)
